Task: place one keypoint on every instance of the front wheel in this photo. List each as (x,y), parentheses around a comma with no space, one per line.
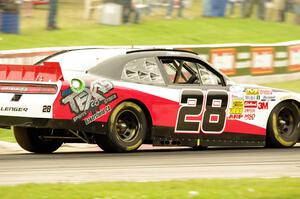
(29,139)
(127,129)
(283,126)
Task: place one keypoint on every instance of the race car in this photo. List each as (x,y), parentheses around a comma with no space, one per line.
(120,99)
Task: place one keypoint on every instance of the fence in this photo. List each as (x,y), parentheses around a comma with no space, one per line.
(236,60)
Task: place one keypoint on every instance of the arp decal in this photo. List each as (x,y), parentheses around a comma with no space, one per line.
(235,117)
(212,107)
(87,103)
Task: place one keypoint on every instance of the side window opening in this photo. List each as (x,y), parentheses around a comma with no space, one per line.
(143,70)
(188,71)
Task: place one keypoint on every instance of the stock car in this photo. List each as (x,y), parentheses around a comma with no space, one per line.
(122,98)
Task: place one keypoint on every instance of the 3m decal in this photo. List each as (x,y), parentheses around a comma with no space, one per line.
(263,105)
(192,105)
(87,103)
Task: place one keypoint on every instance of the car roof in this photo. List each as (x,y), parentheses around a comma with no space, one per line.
(113,67)
(84,59)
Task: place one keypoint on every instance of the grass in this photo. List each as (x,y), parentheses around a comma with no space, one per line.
(6,135)
(229,189)
(152,30)
(290,85)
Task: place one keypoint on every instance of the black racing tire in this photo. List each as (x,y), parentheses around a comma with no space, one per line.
(127,129)
(28,139)
(283,126)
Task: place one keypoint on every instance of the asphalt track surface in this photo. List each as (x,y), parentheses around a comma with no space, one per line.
(88,164)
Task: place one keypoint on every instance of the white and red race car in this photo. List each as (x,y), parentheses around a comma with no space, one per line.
(122,98)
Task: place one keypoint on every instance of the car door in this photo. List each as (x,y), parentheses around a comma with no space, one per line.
(204,98)
(205,105)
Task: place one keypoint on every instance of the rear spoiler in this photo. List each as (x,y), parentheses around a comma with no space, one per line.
(48,72)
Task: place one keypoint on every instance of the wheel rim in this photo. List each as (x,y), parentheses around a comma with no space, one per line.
(127,126)
(286,122)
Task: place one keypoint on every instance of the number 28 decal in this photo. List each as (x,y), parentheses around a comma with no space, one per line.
(213,111)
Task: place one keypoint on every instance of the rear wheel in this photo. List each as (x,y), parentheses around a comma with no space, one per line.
(283,126)
(127,129)
(29,139)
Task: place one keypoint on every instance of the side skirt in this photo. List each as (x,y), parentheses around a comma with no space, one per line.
(165,136)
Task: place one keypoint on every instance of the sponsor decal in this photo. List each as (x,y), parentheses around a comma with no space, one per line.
(249,116)
(237,103)
(263,105)
(236,111)
(252,91)
(249,111)
(252,97)
(86,104)
(265,92)
(13,109)
(250,104)
(268,98)
(237,107)
(235,117)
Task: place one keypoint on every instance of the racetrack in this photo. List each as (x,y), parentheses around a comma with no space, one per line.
(146,165)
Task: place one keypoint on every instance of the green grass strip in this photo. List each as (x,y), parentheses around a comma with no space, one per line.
(204,188)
